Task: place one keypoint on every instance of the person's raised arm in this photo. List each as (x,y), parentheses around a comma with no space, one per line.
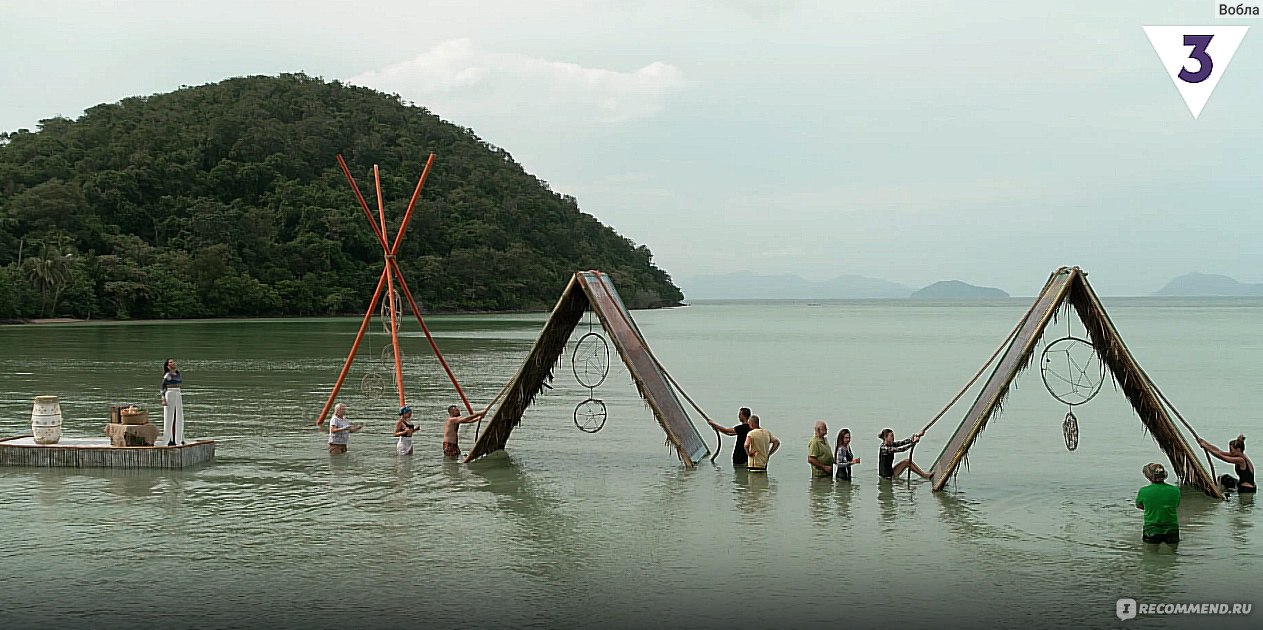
(472,417)
(718,427)
(1227,457)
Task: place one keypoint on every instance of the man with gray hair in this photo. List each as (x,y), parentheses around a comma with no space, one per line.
(340,430)
(819,455)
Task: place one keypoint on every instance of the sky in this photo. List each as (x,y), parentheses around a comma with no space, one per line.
(911,141)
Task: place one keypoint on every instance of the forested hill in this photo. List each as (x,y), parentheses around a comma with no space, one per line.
(226,200)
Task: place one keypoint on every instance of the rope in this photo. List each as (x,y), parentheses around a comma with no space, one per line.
(683,393)
(1004,344)
(1209,460)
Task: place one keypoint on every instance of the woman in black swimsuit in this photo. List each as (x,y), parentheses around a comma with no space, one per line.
(1244,481)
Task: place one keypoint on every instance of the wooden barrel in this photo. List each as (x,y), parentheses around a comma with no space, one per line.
(46,420)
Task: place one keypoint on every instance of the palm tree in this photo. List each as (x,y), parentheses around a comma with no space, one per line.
(48,274)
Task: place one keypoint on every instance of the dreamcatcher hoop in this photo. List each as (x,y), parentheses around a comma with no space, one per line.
(388,355)
(590,360)
(1084,375)
(589,415)
(385,313)
(373,386)
(590,363)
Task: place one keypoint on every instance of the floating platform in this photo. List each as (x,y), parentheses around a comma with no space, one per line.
(72,452)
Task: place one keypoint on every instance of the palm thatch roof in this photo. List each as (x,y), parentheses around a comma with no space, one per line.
(1070,285)
(591,290)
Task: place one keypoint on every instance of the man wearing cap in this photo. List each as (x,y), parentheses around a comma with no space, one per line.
(1161,502)
(404,430)
(451,427)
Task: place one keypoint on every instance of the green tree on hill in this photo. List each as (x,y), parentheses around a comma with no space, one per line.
(225,200)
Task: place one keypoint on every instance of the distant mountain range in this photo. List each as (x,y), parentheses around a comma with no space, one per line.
(1209,285)
(956,290)
(787,286)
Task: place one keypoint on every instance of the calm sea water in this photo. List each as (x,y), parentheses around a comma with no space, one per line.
(570,529)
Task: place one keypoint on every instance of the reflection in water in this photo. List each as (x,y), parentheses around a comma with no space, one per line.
(50,487)
(134,483)
(820,497)
(890,494)
(843,495)
(1242,518)
(755,500)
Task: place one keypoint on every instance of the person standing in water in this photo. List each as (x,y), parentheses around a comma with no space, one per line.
(1161,502)
(339,430)
(1244,481)
(886,466)
(760,445)
(843,458)
(404,430)
(172,403)
(451,430)
(739,457)
(819,455)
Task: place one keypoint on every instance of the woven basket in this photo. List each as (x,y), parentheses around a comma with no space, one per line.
(139,417)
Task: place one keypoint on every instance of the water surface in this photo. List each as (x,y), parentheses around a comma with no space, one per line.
(569,529)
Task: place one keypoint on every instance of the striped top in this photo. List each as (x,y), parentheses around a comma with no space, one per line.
(171,378)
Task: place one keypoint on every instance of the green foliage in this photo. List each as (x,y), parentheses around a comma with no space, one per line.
(226,200)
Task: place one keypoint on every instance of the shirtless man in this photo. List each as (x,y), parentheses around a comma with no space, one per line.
(451,427)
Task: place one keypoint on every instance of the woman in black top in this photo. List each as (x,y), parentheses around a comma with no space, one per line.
(886,466)
(1244,481)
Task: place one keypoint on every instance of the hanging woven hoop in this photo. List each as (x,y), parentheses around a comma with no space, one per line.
(373,386)
(589,415)
(1070,431)
(1072,370)
(590,361)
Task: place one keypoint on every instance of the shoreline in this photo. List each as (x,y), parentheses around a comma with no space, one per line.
(44,321)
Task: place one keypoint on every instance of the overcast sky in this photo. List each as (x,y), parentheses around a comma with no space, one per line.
(912,141)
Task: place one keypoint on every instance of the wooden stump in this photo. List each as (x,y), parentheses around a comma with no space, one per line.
(131,434)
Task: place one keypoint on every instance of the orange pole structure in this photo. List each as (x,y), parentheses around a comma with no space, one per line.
(407,215)
(390,288)
(381,238)
(346,367)
(417,311)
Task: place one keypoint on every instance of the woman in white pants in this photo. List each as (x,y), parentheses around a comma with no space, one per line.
(172,405)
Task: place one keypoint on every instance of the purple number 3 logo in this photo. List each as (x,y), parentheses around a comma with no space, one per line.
(1199,44)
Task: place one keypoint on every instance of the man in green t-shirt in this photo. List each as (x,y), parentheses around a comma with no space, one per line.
(819,455)
(1161,502)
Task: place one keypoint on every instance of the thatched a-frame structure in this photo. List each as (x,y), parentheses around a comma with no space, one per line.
(1071,284)
(592,290)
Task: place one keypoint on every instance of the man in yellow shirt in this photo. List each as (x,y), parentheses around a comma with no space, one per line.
(760,446)
(819,455)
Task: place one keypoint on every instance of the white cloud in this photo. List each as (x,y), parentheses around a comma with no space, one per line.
(465,83)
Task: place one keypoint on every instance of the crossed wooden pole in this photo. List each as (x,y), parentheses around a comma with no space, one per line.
(390,275)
